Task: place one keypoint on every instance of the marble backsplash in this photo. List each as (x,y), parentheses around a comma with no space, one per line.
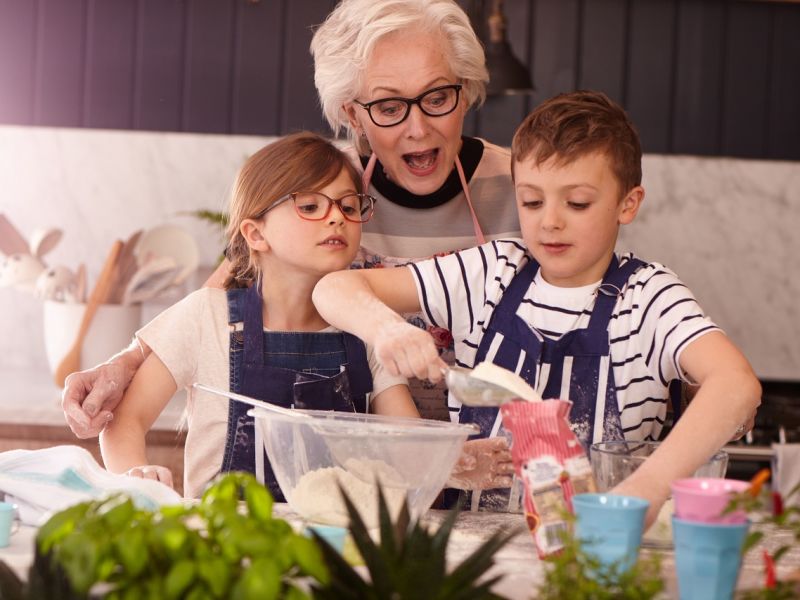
(729,228)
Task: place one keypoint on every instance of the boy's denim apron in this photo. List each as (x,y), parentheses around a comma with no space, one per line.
(577,366)
(320,371)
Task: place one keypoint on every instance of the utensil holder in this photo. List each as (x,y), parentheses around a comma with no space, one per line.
(111,330)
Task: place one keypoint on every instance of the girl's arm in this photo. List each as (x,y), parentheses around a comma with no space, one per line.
(726,399)
(122,442)
(394,401)
(367,303)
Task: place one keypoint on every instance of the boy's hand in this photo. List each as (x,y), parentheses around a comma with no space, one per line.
(154,472)
(406,350)
(484,465)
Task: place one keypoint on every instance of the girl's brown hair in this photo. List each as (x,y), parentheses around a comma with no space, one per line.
(298,162)
(571,125)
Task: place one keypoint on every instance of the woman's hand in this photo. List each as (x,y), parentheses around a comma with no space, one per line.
(484,465)
(154,472)
(406,350)
(90,397)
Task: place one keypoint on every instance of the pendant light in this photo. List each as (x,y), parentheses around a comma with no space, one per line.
(507,75)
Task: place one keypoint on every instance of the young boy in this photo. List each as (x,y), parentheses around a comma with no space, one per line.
(561,309)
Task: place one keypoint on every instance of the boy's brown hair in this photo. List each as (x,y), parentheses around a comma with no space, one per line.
(298,162)
(571,125)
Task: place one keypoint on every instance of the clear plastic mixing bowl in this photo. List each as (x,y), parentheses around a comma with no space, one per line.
(412,459)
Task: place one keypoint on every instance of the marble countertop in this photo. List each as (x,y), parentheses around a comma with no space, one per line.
(516,562)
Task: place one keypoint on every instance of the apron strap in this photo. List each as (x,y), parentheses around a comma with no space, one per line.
(358,372)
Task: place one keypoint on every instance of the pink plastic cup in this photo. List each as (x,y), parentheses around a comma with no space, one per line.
(704,499)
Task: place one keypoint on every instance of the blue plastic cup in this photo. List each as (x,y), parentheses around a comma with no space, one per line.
(335,536)
(610,527)
(9,522)
(707,558)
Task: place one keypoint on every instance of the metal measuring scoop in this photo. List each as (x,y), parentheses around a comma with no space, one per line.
(473,391)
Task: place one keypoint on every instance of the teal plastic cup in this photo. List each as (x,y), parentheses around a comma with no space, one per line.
(9,522)
(707,558)
(609,527)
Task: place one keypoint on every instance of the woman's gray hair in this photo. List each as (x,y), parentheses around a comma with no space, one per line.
(342,45)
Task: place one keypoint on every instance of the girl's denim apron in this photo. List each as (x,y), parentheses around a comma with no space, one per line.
(320,371)
(577,366)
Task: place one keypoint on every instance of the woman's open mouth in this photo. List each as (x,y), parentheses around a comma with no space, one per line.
(422,163)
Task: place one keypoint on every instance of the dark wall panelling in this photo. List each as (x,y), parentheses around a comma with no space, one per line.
(747,78)
(17,61)
(602,47)
(300,105)
(784,92)
(60,60)
(161,40)
(698,81)
(208,72)
(555,47)
(709,77)
(109,68)
(259,57)
(650,77)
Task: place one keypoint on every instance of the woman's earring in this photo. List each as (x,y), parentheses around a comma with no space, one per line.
(363,134)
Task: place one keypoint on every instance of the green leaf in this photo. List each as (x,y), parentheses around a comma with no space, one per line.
(131,549)
(262,581)
(308,556)
(60,525)
(216,573)
(259,501)
(180,577)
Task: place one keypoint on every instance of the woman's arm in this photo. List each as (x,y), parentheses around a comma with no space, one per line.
(122,442)
(367,303)
(728,394)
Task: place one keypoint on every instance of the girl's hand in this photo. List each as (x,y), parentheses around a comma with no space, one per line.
(406,350)
(484,465)
(154,472)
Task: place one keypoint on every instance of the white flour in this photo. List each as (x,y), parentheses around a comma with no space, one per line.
(316,496)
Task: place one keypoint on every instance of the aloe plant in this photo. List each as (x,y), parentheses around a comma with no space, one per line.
(408,562)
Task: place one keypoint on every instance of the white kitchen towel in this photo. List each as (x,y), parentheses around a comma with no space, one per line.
(786,471)
(41,482)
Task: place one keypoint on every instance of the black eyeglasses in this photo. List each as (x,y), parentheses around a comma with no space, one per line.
(316,206)
(435,102)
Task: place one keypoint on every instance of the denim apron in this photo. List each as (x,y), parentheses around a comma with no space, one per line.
(577,366)
(309,370)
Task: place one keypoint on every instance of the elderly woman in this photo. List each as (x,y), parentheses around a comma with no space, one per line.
(399,76)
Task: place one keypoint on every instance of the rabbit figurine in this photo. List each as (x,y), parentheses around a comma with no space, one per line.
(24,263)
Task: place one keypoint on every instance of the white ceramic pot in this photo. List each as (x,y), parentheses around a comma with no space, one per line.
(111,330)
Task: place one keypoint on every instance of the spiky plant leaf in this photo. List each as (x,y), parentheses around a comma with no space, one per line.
(409,562)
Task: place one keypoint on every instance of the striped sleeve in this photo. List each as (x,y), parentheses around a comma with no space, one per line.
(456,290)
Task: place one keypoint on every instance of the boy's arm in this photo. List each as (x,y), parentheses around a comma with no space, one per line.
(366,303)
(726,399)
(122,442)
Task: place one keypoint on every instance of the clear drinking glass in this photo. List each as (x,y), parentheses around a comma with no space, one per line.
(614,461)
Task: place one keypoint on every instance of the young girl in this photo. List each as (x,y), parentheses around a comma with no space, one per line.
(295,215)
